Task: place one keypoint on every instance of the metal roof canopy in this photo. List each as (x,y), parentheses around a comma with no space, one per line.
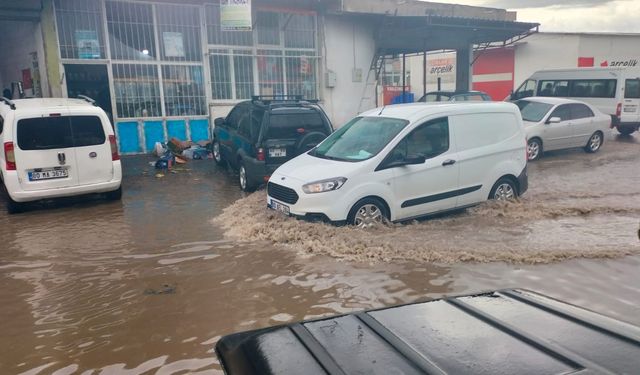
(413,34)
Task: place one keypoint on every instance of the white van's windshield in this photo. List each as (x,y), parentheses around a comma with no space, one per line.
(532,111)
(360,139)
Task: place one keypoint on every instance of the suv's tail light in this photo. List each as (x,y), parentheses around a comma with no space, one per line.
(619,110)
(9,156)
(260,154)
(114,148)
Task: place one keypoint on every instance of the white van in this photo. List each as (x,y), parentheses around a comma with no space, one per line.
(613,91)
(56,148)
(405,161)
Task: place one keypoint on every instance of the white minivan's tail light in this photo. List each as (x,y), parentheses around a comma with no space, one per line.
(526,149)
(114,148)
(9,156)
(619,110)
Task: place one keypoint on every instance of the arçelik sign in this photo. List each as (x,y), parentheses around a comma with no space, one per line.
(624,63)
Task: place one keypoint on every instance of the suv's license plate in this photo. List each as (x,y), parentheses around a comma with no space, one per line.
(277,152)
(48,174)
(280,207)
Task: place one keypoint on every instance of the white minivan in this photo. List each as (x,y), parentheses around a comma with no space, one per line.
(405,161)
(56,148)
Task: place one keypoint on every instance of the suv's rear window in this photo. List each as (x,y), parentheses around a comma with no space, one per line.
(45,133)
(285,126)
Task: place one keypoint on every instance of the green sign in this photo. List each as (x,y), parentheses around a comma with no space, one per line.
(235,15)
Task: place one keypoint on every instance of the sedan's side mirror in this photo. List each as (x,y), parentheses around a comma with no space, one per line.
(554,120)
(219,121)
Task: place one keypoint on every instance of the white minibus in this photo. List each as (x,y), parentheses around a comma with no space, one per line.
(614,91)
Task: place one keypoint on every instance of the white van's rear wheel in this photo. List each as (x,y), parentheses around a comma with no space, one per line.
(115,195)
(504,190)
(368,212)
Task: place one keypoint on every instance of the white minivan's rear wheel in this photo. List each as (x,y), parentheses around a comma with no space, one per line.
(368,212)
(504,189)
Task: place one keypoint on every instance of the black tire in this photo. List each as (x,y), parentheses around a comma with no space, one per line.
(534,149)
(378,207)
(246,184)
(217,155)
(14,207)
(625,130)
(505,189)
(594,143)
(115,195)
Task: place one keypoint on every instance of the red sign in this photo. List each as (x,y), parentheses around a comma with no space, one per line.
(27,83)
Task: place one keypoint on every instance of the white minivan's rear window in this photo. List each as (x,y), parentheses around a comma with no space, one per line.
(45,133)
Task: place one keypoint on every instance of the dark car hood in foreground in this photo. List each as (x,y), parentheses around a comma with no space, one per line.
(503,332)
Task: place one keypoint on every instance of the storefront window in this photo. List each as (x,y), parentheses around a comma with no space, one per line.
(301,74)
(179,33)
(79,24)
(183,90)
(299,31)
(270,77)
(130,31)
(137,90)
(285,63)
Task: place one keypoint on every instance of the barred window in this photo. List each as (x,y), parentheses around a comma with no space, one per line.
(231,74)
(130,31)
(79,24)
(183,90)
(179,33)
(299,31)
(270,75)
(137,90)
(301,74)
(268,28)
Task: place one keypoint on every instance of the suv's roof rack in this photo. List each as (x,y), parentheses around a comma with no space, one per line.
(88,100)
(8,102)
(281,99)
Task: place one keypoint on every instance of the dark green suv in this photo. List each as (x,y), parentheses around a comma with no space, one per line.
(259,135)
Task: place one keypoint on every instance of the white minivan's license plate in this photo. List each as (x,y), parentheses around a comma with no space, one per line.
(280,207)
(277,152)
(48,174)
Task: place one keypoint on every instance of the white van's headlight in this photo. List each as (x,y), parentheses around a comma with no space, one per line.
(324,185)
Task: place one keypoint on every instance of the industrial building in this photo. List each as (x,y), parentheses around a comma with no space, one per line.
(164,69)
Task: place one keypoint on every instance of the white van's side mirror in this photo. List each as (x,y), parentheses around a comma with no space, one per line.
(554,120)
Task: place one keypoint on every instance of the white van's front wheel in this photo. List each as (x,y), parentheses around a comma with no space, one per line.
(504,190)
(368,212)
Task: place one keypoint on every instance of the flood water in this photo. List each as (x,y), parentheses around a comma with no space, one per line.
(150,284)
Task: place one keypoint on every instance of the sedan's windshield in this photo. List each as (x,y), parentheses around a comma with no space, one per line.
(360,139)
(532,111)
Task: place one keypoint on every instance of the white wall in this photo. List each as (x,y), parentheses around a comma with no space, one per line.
(348,44)
(544,51)
(17,42)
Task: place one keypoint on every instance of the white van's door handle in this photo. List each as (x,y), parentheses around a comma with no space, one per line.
(448,162)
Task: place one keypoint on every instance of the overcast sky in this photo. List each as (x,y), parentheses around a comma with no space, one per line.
(571,15)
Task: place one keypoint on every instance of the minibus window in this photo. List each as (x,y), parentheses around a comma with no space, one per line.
(632,89)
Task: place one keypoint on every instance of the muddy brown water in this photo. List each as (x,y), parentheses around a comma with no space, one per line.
(150,284)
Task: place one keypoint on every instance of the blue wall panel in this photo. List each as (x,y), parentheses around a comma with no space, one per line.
(177,129)
(128,137)
(199,129)
(153,132)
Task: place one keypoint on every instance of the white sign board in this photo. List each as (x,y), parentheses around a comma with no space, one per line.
(235,15)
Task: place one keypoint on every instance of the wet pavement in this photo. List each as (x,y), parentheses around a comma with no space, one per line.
(149,284)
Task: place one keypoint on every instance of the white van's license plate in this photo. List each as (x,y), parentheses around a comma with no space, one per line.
(280,207)
(48,174)
(277,152)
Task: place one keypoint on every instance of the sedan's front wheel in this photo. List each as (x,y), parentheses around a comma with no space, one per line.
(534,149)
